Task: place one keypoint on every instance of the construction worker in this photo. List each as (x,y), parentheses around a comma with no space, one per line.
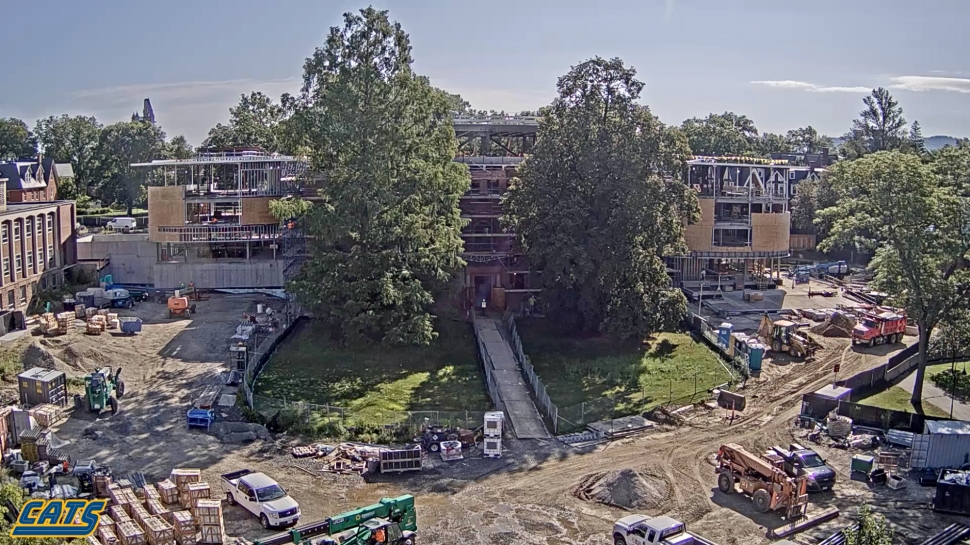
(483,308)
(532,305)
(379,536)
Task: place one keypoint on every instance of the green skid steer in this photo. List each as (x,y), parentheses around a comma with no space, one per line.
(100,388)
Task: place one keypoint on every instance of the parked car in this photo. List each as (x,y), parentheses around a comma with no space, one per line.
(261,496)
(121,224)
(800,461)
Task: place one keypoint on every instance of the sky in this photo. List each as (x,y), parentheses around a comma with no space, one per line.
(784,64)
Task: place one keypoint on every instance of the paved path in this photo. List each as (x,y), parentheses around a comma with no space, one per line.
(937,397)
(525,419)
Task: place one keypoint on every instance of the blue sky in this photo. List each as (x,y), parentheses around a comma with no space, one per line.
(783,63)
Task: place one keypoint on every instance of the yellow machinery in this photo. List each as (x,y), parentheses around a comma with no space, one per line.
(180,306)
(783,336)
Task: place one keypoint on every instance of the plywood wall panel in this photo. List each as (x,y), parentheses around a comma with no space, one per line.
(166,208)
(770,232)
(255,211)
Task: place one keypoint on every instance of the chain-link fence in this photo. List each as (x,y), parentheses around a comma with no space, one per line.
(543,401)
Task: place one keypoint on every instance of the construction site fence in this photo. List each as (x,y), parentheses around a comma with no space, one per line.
(265,345)
(882,376)
(310,414)
(543,401)
(703,329)
(818,407)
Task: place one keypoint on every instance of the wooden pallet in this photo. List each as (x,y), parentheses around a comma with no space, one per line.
(208,398)
(304,452)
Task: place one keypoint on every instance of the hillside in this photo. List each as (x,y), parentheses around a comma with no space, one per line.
(932,142)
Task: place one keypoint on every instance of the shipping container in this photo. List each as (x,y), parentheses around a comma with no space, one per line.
(944,444)
(39,386)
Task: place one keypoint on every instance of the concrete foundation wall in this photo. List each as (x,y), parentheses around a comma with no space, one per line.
(231,274)
(132,256)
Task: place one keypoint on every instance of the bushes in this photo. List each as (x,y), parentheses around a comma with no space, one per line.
(956,383)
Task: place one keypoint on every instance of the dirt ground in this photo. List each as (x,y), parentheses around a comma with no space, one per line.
(540,492)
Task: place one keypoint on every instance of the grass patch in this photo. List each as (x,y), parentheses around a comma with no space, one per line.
(601,372)
(897,399)
(370,380)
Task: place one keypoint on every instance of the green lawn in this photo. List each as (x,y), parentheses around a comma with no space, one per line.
(371,380)
(897,399)
(586,376)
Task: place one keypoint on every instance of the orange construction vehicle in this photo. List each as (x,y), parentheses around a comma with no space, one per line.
(883,326)
(179,306)
(770,488)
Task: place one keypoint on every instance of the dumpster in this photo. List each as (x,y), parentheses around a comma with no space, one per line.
(862,463)
(130,325)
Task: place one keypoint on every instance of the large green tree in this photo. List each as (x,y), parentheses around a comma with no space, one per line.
(808,140)
(179,148)
(16,140)
(255,121)
(593,210)
(74,140)
(879,127)
(919,228)
(387,237)
(721,134)
(119,146)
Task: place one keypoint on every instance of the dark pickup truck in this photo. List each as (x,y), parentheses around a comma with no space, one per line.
(798,461)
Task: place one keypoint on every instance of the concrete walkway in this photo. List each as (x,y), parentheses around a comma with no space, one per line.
(525,419)
(937,397)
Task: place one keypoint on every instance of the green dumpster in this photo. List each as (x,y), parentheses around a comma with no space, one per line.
(862,463)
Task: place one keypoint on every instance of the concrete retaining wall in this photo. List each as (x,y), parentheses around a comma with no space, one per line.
(132,256)
(232,274)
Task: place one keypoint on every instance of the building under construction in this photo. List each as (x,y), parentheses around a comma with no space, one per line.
(492,148)
(745,224)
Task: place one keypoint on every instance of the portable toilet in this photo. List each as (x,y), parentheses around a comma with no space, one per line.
(739,344)
(756,353)
(724,334)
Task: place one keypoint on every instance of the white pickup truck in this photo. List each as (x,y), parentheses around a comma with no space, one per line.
(644,530)
(261,496)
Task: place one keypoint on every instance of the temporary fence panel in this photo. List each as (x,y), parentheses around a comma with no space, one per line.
(543,401)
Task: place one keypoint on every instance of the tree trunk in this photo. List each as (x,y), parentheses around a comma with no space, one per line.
(924,341)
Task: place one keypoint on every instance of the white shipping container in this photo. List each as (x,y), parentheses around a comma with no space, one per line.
(944,444)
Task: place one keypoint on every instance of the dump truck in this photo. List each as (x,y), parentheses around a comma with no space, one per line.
(644,530)
(886,327)
(261,496)
(783,336)
(798,461)
(770,488)
(392,521)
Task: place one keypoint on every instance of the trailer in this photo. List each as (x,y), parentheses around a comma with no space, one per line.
(130,325)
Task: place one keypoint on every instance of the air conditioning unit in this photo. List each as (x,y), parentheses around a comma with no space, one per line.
(493,424)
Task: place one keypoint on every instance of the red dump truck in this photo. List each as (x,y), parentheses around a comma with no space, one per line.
(883,327)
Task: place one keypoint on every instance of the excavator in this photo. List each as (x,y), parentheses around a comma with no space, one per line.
(392,521)
(783,336)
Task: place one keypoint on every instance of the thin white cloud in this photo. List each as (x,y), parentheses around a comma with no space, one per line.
(931,83)
(810,87)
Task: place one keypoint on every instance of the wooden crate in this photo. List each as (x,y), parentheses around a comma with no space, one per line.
(118,513)
(129,533)
(101,484)
(213,535)
(92,540)
(46,415)
(192,493)
(139,514)
(156,508)
(183,476)
(168,491)
(105,521)
(184,525)
(106,534)
(151,493)
(159,532)
(208,512)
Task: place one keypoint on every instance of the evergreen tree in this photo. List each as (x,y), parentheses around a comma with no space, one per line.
(387,237)
(880,126)
(593,210)
(916,142)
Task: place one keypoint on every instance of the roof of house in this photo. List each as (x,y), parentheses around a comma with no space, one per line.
(22,175)
(48,166)
(64,170)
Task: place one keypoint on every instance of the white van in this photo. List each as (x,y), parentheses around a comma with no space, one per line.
(122,224)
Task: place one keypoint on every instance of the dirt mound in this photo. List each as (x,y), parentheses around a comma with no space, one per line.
(836,325)
(625,488)
(38,356)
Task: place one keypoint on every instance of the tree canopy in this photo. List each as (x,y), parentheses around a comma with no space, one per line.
(592,209)
(879,127)
(919,228)
(255,121)
(16,140)
(74,140)
(119,146)
(721,134)
(387,236)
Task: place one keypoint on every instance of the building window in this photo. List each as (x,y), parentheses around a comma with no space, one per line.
(30,262)
(18,264)
(11,302)
(16,230)
(40,259)
(4,234)
(6,267)
(23,294)
(50,224)
(29,227)
(50,255)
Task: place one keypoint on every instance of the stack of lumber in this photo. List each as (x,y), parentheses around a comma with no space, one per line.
(28,443)
(168,491)
(48,324)
(129,533)
(192,493)
(46,415)
(65,321)
(93,327)
(184,525)
(113,322)
(80,311)
(106,531)
(208,515)
(90,313)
